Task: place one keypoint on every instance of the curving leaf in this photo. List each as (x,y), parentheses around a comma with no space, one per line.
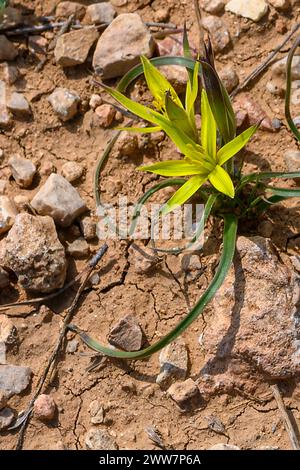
(221,180)
(208,127)
(140,130)
(183,194)
(235,145)
(173,168)
(178,116)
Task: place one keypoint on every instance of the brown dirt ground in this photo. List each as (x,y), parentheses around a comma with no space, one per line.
(128,392)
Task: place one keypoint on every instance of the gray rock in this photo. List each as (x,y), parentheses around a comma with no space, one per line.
(66,9)
(22,170)
(213,6)
(72,346)
(96,412)
(99,13)
(14,379)
(279,67)
(6,418)
(73,48)
(275,87)
(229,78)
(295,97)
(5,117)
(88,227)
(9,73)
(19,105)
(7,49)
(126,334)
(59,199)
(78,248)
(184,392)
(252,9)
(65,103)
(8,213)
(222,446)
(219,34)
(97,439)
(173,361)
(33,251)
(72,171)
(292,161)
(121,45)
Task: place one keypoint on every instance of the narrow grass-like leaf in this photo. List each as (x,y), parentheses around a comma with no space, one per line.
(208,127)
(229,240)
(140,130)
(283,192)
(178,116)
(172,168)
(268,175)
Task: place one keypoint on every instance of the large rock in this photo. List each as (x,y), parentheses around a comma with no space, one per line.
(254,331)
(58,199)
(121,45)
(33,251)
(253,9)
(14,379)
(73,48)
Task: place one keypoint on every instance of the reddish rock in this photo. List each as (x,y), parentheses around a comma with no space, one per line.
(184,392)
(44,407)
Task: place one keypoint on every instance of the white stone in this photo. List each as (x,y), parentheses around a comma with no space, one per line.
(65,103)
(8,213)
(252,9)
(99,13)
(22,170)
(19,105)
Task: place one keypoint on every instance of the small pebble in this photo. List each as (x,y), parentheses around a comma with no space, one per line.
(78,248)
(44,407)
(22,170)
(72,171)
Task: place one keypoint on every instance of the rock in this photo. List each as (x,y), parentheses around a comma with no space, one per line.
(105,115)
(65,103)
(126,145)
(126,334)
(292,161)
(95,101)
(121,45)
(4,278)
(2,353)
(88,228)
(44,407)
(96,412)
(295,259)
(59,199)
(7,49)
(8,213)
(33,251)
(3,400)
(176,75)
(183,392)
(78,248)
(98,439)
(254,332)
(37,45)
(295,97)
(222,446)
(73,48)
(173,361)
(254,111)
(5,117)
(21,202)
(12,17)
(22,170)
(219,34)
(46,314)
(7,330)
(229,78)
(72,171)
(14,379)
(6,418)
(119,3)
(66,9)
(72,346)
(252,9)
(280,4)
(279,67)
(162,15)
(99,13)
(19,105)
(213,6)
(275,87)
(265,228)
(9,73)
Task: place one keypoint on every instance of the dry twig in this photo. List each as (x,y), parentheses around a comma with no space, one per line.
(287,422)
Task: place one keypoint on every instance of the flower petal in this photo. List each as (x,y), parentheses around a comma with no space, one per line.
(221,180)
(208,127)
(183,194)
(173,168)
(235,145)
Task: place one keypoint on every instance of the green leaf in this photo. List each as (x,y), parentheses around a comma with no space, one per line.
(191,95)
(235,145)
(173,168)
(183,194)
(229,241)
(208,127)
(140,130)
(221,180)
(283,192)
(158,84)
(269,175)
(178,116)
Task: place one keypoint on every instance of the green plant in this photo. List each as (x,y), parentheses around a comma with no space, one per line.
(231,196)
